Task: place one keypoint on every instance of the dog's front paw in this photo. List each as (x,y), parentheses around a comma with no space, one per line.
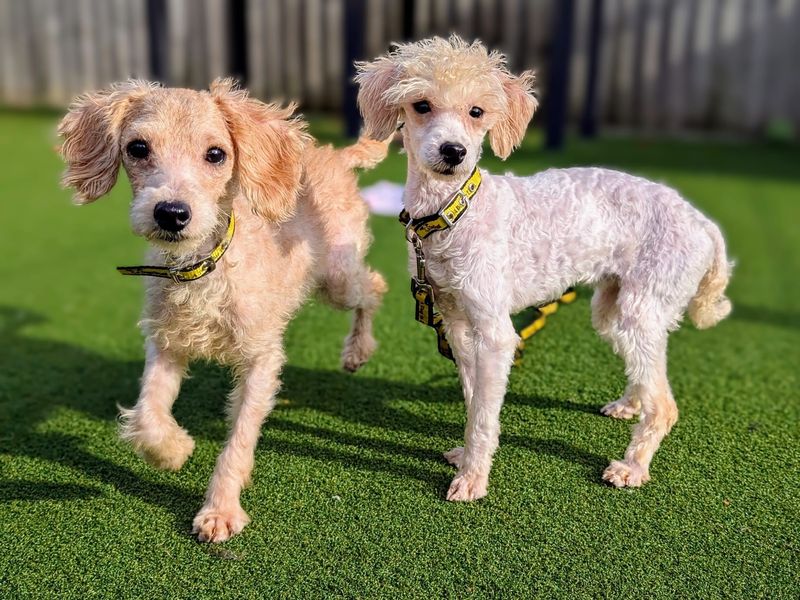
(624,408)
(163,445)
(455,456)
(467,487)
(215,524)
(621,473)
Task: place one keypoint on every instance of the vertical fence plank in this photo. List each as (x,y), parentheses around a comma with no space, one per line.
(623,81)
(511,19)
(55,92)
(293,57)
(464,18)
(579,57)
(314,83)
(782,61)
(440,17)
(104,42)
(704,44)
(274,49)
(137,19)
(651,45)
(609,51)
(754,79)
(178,42)
(218,44)
(256,68)
(393,27)
(678,63)
(422,18)
(334,28)
(732,65)
(488,21)
(374,25)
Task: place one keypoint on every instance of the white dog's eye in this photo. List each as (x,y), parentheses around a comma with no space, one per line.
(422,107)
(476,112)
(215,155)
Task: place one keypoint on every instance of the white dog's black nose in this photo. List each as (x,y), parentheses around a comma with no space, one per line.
(172,216)
(452,154)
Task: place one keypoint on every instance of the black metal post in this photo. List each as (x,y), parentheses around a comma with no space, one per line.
(157,39)
(353,51)
(589,116)
(558,95)
(237,65)
(408,19)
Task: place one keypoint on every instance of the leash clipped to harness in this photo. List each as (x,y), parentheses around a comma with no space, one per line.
(421,288)
(192,272)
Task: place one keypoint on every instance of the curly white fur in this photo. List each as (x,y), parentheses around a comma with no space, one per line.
(647,251)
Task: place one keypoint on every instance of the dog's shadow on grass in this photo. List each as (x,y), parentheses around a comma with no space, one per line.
(40,377)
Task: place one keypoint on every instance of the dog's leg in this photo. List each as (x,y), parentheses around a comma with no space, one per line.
(149,426)
(360,343)
(494,341)
(459,334)
(605,315)
(252,400)
(646,364)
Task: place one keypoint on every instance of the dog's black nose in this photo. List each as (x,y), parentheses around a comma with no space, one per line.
(172,216)
(453,154)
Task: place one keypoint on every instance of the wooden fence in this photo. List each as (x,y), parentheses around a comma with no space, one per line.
(663,64)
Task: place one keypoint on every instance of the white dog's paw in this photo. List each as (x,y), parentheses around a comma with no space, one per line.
(454,456)
(624,408)
(467,487)
(622,473)
(166,446)
(357,351)
(214,524)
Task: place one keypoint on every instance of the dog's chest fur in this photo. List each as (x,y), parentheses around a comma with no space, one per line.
(197,319)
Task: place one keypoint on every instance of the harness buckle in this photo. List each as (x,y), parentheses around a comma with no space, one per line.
(175,274)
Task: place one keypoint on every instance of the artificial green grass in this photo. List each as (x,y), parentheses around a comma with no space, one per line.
(349,481)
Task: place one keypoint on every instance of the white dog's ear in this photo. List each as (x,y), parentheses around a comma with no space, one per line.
(374,78)
(90,133)
(269,147)
(510,128)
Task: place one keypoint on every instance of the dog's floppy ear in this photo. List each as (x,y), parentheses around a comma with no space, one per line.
(509,130)
(374,78)
(90,133)
(269,147)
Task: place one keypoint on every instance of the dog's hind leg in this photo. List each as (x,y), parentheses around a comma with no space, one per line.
(252,400)
(351,285)
(644,347)
(149,426)
(605,316)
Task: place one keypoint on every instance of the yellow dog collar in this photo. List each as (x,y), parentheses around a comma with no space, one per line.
(450,214)
(192,272)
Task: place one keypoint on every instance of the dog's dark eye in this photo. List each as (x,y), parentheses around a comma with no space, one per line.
(215,155)
(476,112)
(138,149)
(422,107)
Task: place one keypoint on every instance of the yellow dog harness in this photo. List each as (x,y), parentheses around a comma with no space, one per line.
(192,272)
(422,290)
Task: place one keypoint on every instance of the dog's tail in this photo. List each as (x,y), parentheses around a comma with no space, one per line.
(710,305)
(365,153)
